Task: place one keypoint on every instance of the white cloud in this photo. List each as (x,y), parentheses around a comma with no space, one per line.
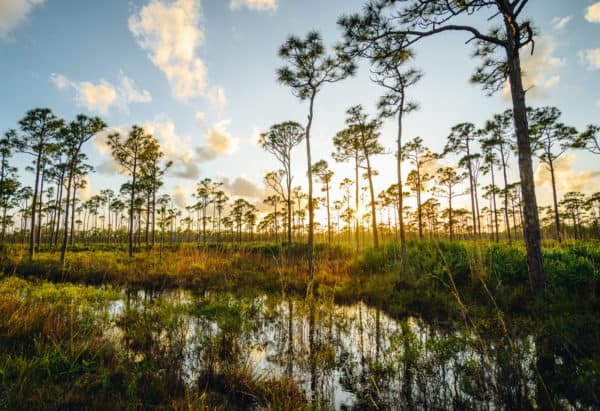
(100,140)
(567,179)
(593,13)
(590,58)
(130,93)
(559,23)
(255,136)
(216,96)
(242,187)
(170,33)
(13,13)
(200,117)
(97,97)
(538,69)
(259,5)
(86,192)
(218,142)
(552,82)
(100,97)
(176,148)
(182,194)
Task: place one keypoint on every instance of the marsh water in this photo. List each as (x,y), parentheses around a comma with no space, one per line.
(340,356)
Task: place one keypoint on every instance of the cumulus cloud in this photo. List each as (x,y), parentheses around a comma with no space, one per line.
(108,165)
(567,179)
(176,148)
(180,149)
(242,187)
(259,5)
(218,142)
(86,192)
(170,33)
(593,13)
(182,194)
(13,13)
(101,96)
(538,69)
(97,97)
(590,58)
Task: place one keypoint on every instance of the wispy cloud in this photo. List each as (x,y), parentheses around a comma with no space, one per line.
(552,82)
(100,97)
(539,69)
(560,23)
(259,5)
(590,58)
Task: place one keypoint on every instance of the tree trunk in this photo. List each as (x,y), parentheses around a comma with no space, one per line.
(34,206)
(356,202)
(555,200)
(72,234)
(40,205)
(506,220)
(450,223)
(495,205)
(400,194)
(419,211)
(63,248)
(373,208)
(476,229)
(311,263)
(131,211)
(531,230)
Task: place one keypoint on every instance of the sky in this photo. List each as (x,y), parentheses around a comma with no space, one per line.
(200,75)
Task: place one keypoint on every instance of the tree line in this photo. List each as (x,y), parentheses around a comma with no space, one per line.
(383,35)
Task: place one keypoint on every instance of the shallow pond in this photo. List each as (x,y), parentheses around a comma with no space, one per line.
(340,356)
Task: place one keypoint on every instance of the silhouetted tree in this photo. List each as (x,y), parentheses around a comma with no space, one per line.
(588,140)
(460,142)
(128,152)
(9,183)
(309,69)
(406,22)
(72,138)
(322,171)
(550,140)
(347,147)
(367,135)
(446,181)
(418,155)
(40,127)
(499,133)
(280,141)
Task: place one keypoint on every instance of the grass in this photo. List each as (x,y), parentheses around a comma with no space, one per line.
(58,350)
(55,354)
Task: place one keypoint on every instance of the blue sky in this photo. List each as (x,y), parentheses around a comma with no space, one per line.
(201,75)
